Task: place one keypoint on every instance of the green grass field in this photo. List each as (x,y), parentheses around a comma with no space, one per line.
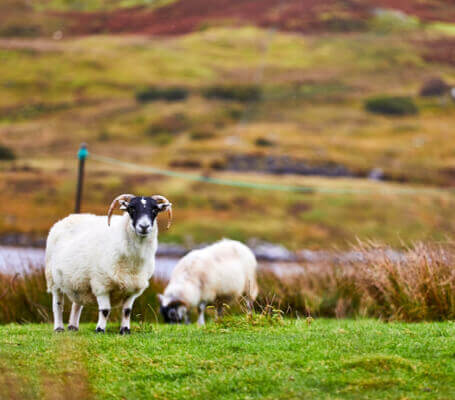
(327,359)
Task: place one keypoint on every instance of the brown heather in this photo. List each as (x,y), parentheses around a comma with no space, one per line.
(415,285)
(419,286)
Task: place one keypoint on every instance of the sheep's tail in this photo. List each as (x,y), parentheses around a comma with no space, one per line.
(50,246)
(252,288)
(48,274)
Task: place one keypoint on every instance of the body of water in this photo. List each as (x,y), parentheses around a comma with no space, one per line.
(25,259)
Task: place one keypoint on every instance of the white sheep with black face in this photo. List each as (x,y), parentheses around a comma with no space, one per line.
(101,259)
(216,274)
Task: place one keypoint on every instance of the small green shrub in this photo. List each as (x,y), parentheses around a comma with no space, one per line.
(242,93)
(30,111)
(434,87)
(201,135)
(389,105)
(389,21)
(171,124)
(218,165)
(156,93)
(20,29)
(235,112)
(163,139)
(185,163)
(264,142)
(342,24)
(6,153)
(104,136)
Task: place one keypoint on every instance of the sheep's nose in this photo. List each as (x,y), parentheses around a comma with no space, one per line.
(144,227)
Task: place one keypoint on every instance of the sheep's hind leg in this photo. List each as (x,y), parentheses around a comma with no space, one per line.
(201,318)
(219,310)
(104,307)
(57,309)
(126,314)
(75,315)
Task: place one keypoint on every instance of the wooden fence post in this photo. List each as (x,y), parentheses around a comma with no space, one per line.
(81,155)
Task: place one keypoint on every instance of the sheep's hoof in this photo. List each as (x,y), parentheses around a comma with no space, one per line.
(59,330)
(125,331)
(99,330)
(73,328)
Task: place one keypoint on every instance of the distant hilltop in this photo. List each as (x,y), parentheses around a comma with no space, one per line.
(174,17)
(306,16)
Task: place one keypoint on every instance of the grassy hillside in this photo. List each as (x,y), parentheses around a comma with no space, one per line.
(170,17)
(310,106)
(326,359)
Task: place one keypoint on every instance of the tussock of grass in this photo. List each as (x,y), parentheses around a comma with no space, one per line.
(415,285)
(234,93)
(378,363)
(157,93)
(391,105)
(6,153)
(420,286)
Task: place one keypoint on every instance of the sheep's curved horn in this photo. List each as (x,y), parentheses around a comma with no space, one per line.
(161,199)
(126,197)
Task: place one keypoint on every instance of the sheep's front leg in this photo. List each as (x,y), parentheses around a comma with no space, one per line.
(201,318)
(57,309)
(126,313)
(250,305)
(75,315)
(104,307)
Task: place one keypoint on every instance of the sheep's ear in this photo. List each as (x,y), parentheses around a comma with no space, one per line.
(164,206)
(123,205)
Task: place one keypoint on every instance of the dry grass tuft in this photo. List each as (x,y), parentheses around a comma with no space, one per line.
(416,285)
(419,285)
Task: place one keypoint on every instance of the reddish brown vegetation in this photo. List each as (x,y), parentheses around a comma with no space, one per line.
(436,10)
(291,15)
(441,51)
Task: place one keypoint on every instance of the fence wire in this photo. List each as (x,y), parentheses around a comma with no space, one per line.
(379,189)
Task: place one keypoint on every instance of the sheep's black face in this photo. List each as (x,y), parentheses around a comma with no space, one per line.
(143,212)
(174,313)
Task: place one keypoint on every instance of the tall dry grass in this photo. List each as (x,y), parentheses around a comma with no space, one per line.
(23,298)
(416,285)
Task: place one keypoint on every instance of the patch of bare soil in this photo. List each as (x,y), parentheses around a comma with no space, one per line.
(36,45)
(12,386)
(67,386)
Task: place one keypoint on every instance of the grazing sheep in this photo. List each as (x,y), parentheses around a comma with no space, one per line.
(217,273)
(97,258)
